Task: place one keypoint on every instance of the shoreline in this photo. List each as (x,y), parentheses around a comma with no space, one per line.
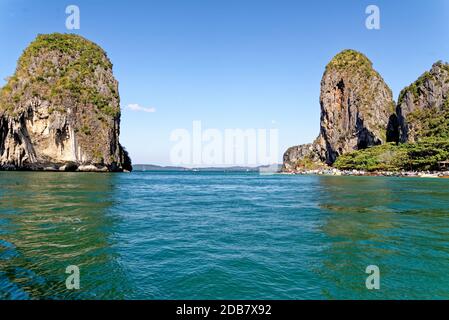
(64,167)
(362,173)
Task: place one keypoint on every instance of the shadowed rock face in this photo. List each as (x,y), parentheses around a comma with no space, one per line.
(427,97)
(61,109)
(356,105)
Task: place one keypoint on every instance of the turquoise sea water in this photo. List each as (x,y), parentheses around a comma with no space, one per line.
(192,235)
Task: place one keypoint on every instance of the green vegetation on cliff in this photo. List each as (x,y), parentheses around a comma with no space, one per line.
(418,85)
(58,68)
(352,60)
(425,126)
(431,122)
(432,147)
(307,163)
(413,88)
(423,155)
(61,109)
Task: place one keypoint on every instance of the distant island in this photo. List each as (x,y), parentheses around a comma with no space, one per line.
(152,167)
(362,129)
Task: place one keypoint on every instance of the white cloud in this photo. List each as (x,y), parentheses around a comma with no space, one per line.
(137,107)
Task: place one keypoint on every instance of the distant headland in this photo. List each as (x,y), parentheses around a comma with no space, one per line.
(152,167)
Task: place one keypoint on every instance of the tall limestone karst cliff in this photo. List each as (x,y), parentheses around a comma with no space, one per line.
(356,106)
(423,107)
(61,109)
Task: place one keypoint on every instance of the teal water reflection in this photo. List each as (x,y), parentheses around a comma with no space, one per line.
(49,221)
(184,235)
(400,225)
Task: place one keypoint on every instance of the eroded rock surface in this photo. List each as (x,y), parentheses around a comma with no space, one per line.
(356,110)
(425,99)
(301,157)
(61,109)
(356,105)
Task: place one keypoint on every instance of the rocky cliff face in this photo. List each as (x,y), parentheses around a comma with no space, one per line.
(61,109)
(427,98)
(302,157)
(356,105)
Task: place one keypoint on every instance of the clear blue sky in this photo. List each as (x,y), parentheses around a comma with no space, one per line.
(232,63)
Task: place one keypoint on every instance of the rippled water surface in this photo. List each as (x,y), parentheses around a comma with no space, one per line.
(170,235)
